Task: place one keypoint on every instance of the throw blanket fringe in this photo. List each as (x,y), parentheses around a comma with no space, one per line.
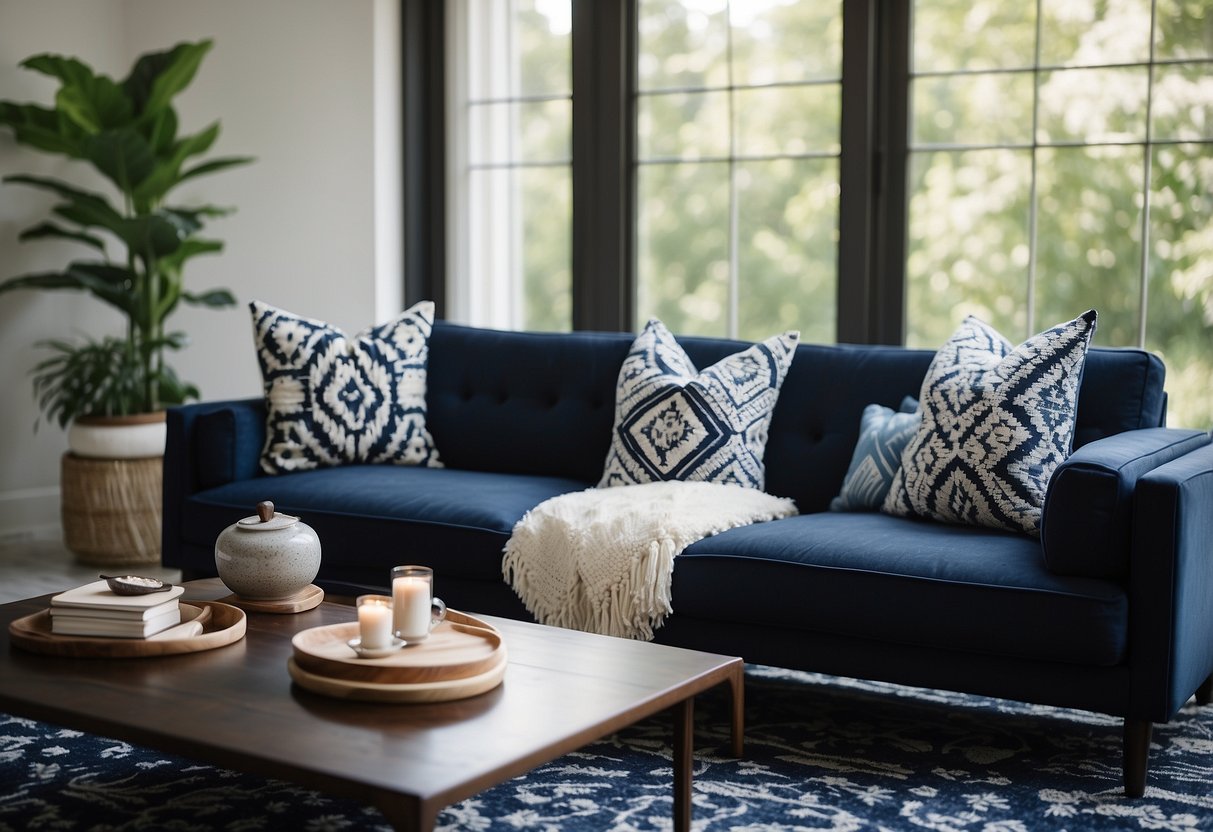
(602,560)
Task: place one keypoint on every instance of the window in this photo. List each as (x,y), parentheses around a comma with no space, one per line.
(510,183)
(1062,158)
(711,163)
(737,166)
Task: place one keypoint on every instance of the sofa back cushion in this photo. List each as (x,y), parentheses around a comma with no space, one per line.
(543,403)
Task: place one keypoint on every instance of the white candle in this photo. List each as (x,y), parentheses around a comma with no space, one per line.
(375,624)
(411,607)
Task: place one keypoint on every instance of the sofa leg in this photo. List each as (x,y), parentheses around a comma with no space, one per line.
(1204,693)
(1137,753)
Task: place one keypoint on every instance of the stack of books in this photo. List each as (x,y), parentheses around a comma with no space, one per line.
(96,610)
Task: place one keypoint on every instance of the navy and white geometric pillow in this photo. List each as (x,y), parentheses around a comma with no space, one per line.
(997,420)
(334,400)
(883,435)
(675,423)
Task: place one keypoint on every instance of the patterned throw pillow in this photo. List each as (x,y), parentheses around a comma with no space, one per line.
(883,435)
(674,423)
(333,400)
(997,420)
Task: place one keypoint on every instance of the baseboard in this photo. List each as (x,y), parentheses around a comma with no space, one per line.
(29,514)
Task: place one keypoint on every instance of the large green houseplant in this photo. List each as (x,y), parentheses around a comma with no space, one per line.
(127,130)
(140,243)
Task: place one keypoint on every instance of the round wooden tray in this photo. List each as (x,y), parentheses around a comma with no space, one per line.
(460,648)
(413,693)
(305,599)
(223,624)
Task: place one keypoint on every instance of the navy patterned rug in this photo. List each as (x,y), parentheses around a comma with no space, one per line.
(822,754)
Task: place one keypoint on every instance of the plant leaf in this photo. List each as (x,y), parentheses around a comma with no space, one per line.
(95,104)
(215,165)
(215,298)
(108,283)
(189,248)
(83,207)
(199,142)
(155,235)
(167,172)
(164,131)
(42,280)
(105,282)
(122,155)
(158,76)
(49,229)
(41,128)
(192,217)
(69,71)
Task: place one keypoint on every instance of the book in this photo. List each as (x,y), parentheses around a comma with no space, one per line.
(115,615)
(98,596)
(79,625)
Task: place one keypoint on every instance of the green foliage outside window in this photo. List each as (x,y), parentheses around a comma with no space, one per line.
(970,210)
(970,215)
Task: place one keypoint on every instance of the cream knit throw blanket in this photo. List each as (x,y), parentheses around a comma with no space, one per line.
(602,560)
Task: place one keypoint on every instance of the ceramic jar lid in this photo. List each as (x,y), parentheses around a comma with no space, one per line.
(266,519)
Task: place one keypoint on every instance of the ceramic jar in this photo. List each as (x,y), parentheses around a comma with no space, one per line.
(268,556)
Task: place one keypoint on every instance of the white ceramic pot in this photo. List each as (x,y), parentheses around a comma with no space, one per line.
(268,556)
(118,437)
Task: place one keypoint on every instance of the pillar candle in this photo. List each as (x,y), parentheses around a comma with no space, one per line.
(375,625)
(411,607)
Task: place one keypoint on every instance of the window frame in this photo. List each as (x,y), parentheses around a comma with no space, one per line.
(870,257)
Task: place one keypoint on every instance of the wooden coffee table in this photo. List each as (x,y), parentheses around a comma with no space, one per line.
(236,707)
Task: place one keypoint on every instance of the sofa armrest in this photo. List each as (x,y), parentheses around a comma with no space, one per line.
(206,445)
(1171,585)
(1086,523)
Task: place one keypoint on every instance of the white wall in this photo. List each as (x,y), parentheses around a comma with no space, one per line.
(292,82)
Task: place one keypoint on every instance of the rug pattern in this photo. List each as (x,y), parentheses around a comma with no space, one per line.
(821,754)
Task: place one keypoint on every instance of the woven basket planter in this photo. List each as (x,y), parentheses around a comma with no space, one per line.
(111,509)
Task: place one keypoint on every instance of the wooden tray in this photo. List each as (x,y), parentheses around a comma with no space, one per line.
(415,693)
(224,624)
(305,599)
(461,647)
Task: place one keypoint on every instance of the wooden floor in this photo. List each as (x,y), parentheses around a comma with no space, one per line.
(36,566)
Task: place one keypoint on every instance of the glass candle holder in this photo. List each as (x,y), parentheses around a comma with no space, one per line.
(415,610)
(375,621)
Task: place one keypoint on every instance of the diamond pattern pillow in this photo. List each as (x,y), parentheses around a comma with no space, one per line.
(675,423)
(334,400)
(997,420)
(883,435)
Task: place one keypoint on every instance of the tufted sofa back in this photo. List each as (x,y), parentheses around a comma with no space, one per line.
(543,403)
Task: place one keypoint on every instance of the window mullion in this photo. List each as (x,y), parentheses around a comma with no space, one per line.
(424,136)
(891,92)
(1146,189)
(603,122)
(857,172)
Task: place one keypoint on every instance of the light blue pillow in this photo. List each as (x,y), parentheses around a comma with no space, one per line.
(883,435)
(673,422)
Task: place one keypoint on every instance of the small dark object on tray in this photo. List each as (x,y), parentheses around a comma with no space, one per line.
(135,584)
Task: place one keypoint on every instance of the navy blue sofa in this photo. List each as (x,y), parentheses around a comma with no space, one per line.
(1110,610)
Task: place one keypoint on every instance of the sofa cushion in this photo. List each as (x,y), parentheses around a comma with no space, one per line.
(378,516)
(883,435)
(673,422)
(334,400)
(887,578)
(997,420)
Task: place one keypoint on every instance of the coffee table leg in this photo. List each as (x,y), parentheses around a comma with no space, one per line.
(684,761)
(737,690)
(408,816)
